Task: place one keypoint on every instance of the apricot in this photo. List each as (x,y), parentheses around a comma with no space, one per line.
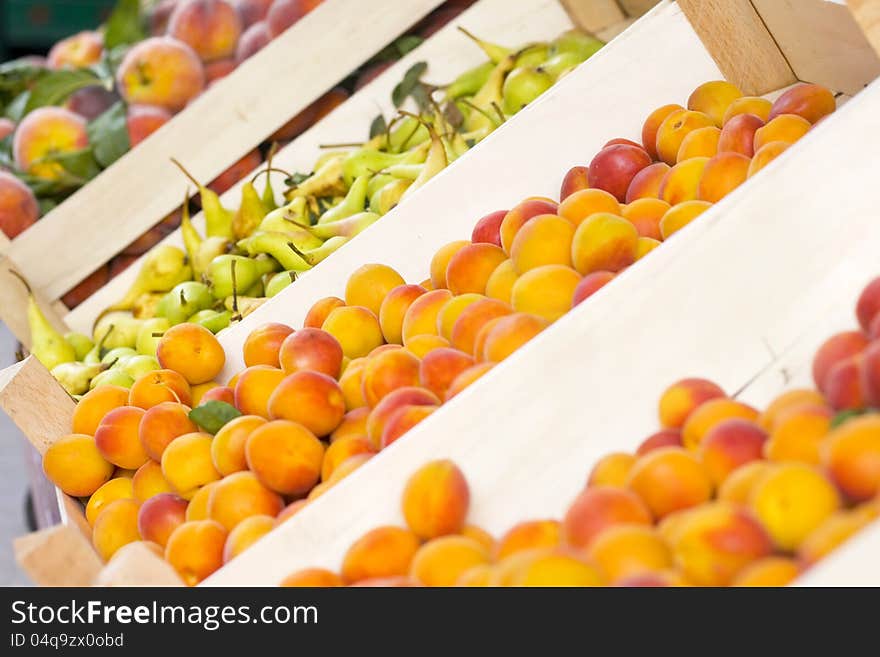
(402,420)
(682,181)
(470,268)
(198,505)
(18,205)
(441,561)
(510,333)
(354,424)
(159,516)
(670,479)
(348,466)
(187,464)
(355,328)
(159,386)
(582,205)
(115,526)
(421,345)
(246,533)
(311,399)
(466,378)
(78,51)
(754,105)
(263,343)
(604,242)
(675,127)
(148,481)
(769,571)
(809,101)
(646,183)
(870,372)
(440,262)
(589,285)
(195,549)
(597,508)
(785,127)
(728,445)
(738,135)
(94,405)
(342,450)
(710,413)
(784,402)
(553,568)
(205,392)
(721,175)
(422,315)
(227,448)
(311,349)
(191,350)
(680,215)
(611,470)
(614,167)
(370,284)
(312,577)
(452,309)
(117,437)
(662,438)
(500,283)
(285,456)
(652,580)
(435,500)
(119,488)
(645,214)
(682,398)
(522,213)
(210,27)
(44,134)
(472,319)
(791,500)
(834,350)
(737,487)
(652,125)
(798,432)
(160,71)
(480,575)
(835,530)
(382,552)
(161,424)
(239,496)
(702,142)
(851,457)
(488,228)
(645,246)
(714,99)
(440,367)
(868,304)
(844,385)
(626,550)
(714,542)
(320,310)
(481,536)
(527,536)
(576,179)
(390,403)
(351,384)
(290,510)
(393,310)
(254,388)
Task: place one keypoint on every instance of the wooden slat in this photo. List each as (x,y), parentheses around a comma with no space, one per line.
(593,15)
(740,43)
(852,564)
(867,15)
(636,8)
(136,565)
(58,556)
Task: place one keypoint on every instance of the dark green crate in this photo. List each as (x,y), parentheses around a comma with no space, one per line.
(37,24)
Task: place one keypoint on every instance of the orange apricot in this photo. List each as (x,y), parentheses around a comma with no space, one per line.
(285,456)
(382,552)
(670,479)
(195,550)
(435,500)
(76,466)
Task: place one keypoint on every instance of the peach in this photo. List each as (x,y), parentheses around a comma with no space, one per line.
(868,304)
(254,388)
(148,481)
(18,206)
(311,399)
(382,552)
(210,27)
(652,125)
(312,577)
(393,310)
(738,486)
(714,99)
(263,344)
(682,181)
(285,456)
(253,40)
(552,568)
(809,101)
(159,516)
(115,526)
(117,437)
(78,51)
(576,179)
(851,457)
(835,350)
(217,70)
(728,445)
(500,283)
(469,269)
(159,386)
(682,398)
(768,571)
(721,175)
(440,262)
(342,450)
(754,105)
(435,500)
(798,432)
(351,384)
(246,533)
(713,543)
(680,215)
(791,500)
(47,132)
(402,420)
(439,368)
(355,328)
(369,285)
(143,120)
(844,384)
(510,334)
(614,167)
(662,438)
(187,464)
(709,414)
(600,507)
(441,561)
(473,319)
(611,470)
(191,350)
(589,285)
(195,549)
(239,496)
(421,316)
(452,309)
(738,135)
(528,536)
(626,550)
(311,349)
(119,488)
(488,228)
(160,71)
(578,207)
(675,127)
(92,408)
(320,310)
(670,479)
(646,183)
(645,214)
(284,13)
(161,424)
(354,423)
(786,401)
(785,127)
(252,11)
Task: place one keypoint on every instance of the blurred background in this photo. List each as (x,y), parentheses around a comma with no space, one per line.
(30,27)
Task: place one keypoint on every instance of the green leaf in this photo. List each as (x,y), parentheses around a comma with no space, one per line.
(124,25)
(845,416)
(15,109)
(378,126)
(407,43)
(421,96)
(213,415)
(53,89)
(80,165)
(408,84)
(108,135)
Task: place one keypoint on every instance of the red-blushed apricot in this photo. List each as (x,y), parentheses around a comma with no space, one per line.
(119,488)
(439,368)
(652,125)
(263,343)
(285,456)
(467,378)
(421,318)
(161,424)
(356,328)
(604,242)
(765,155)
(670,479)
(844,386)
(645,214)
(195,549)
(246,533)
(435,500)
(710,413)
(851,457)
(674,129)
(738,135)
(810,101)
(798,432)
(543,240)
(393,310)
(626,550)
(187,464)
(368,286)
(769,571)
(519,215)
(76,466)
(254,388)
(787,400)
(730,444)
(224,394)
(575,179)
(834,350)
(611,470)
(713,543)
(738,486)
(755,105)
(402,420)
(440,262)
(870,372)
(290,510)
(659,439)
(382,552)
(441,561)
(646,183)
(702,142)
(790,501)
(160,386)
(681,183)
(320,310)
(714,98)
(342,450)
(148,481)
(311,349)
(351,384)
(470,268)
(680,215)
(868,304)
(117,437)
(312,577)
(527,536)
(383,411)
(614,167)
(599,507)
(92,408)
(159,516)
(582,205)
(388,371)
(115,526)
(227,448)
(472,319)
(721,175)
(488,228)
(311,399)
(510,333)
(785,127)
(354,423)
(680,399)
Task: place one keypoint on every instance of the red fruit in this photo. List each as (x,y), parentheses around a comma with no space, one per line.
(664,438)
(621,141)
(615,166)
(590,284)
(834,350)
(868,305)
(575,180)
(844,388)
(870,372)
(488,229)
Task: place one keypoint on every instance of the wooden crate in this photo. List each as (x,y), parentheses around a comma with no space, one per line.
(224,123)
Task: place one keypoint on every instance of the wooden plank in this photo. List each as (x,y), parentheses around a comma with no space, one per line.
(136,564)
(867,15)
(58,556)
(852,564)
(593,15)
(837,54)
(636,8)
(448,53)
(740,43)
(216,129)
(526,443)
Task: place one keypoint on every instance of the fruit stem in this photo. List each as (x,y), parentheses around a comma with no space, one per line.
(270,169)
(186,173)
(27,286)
